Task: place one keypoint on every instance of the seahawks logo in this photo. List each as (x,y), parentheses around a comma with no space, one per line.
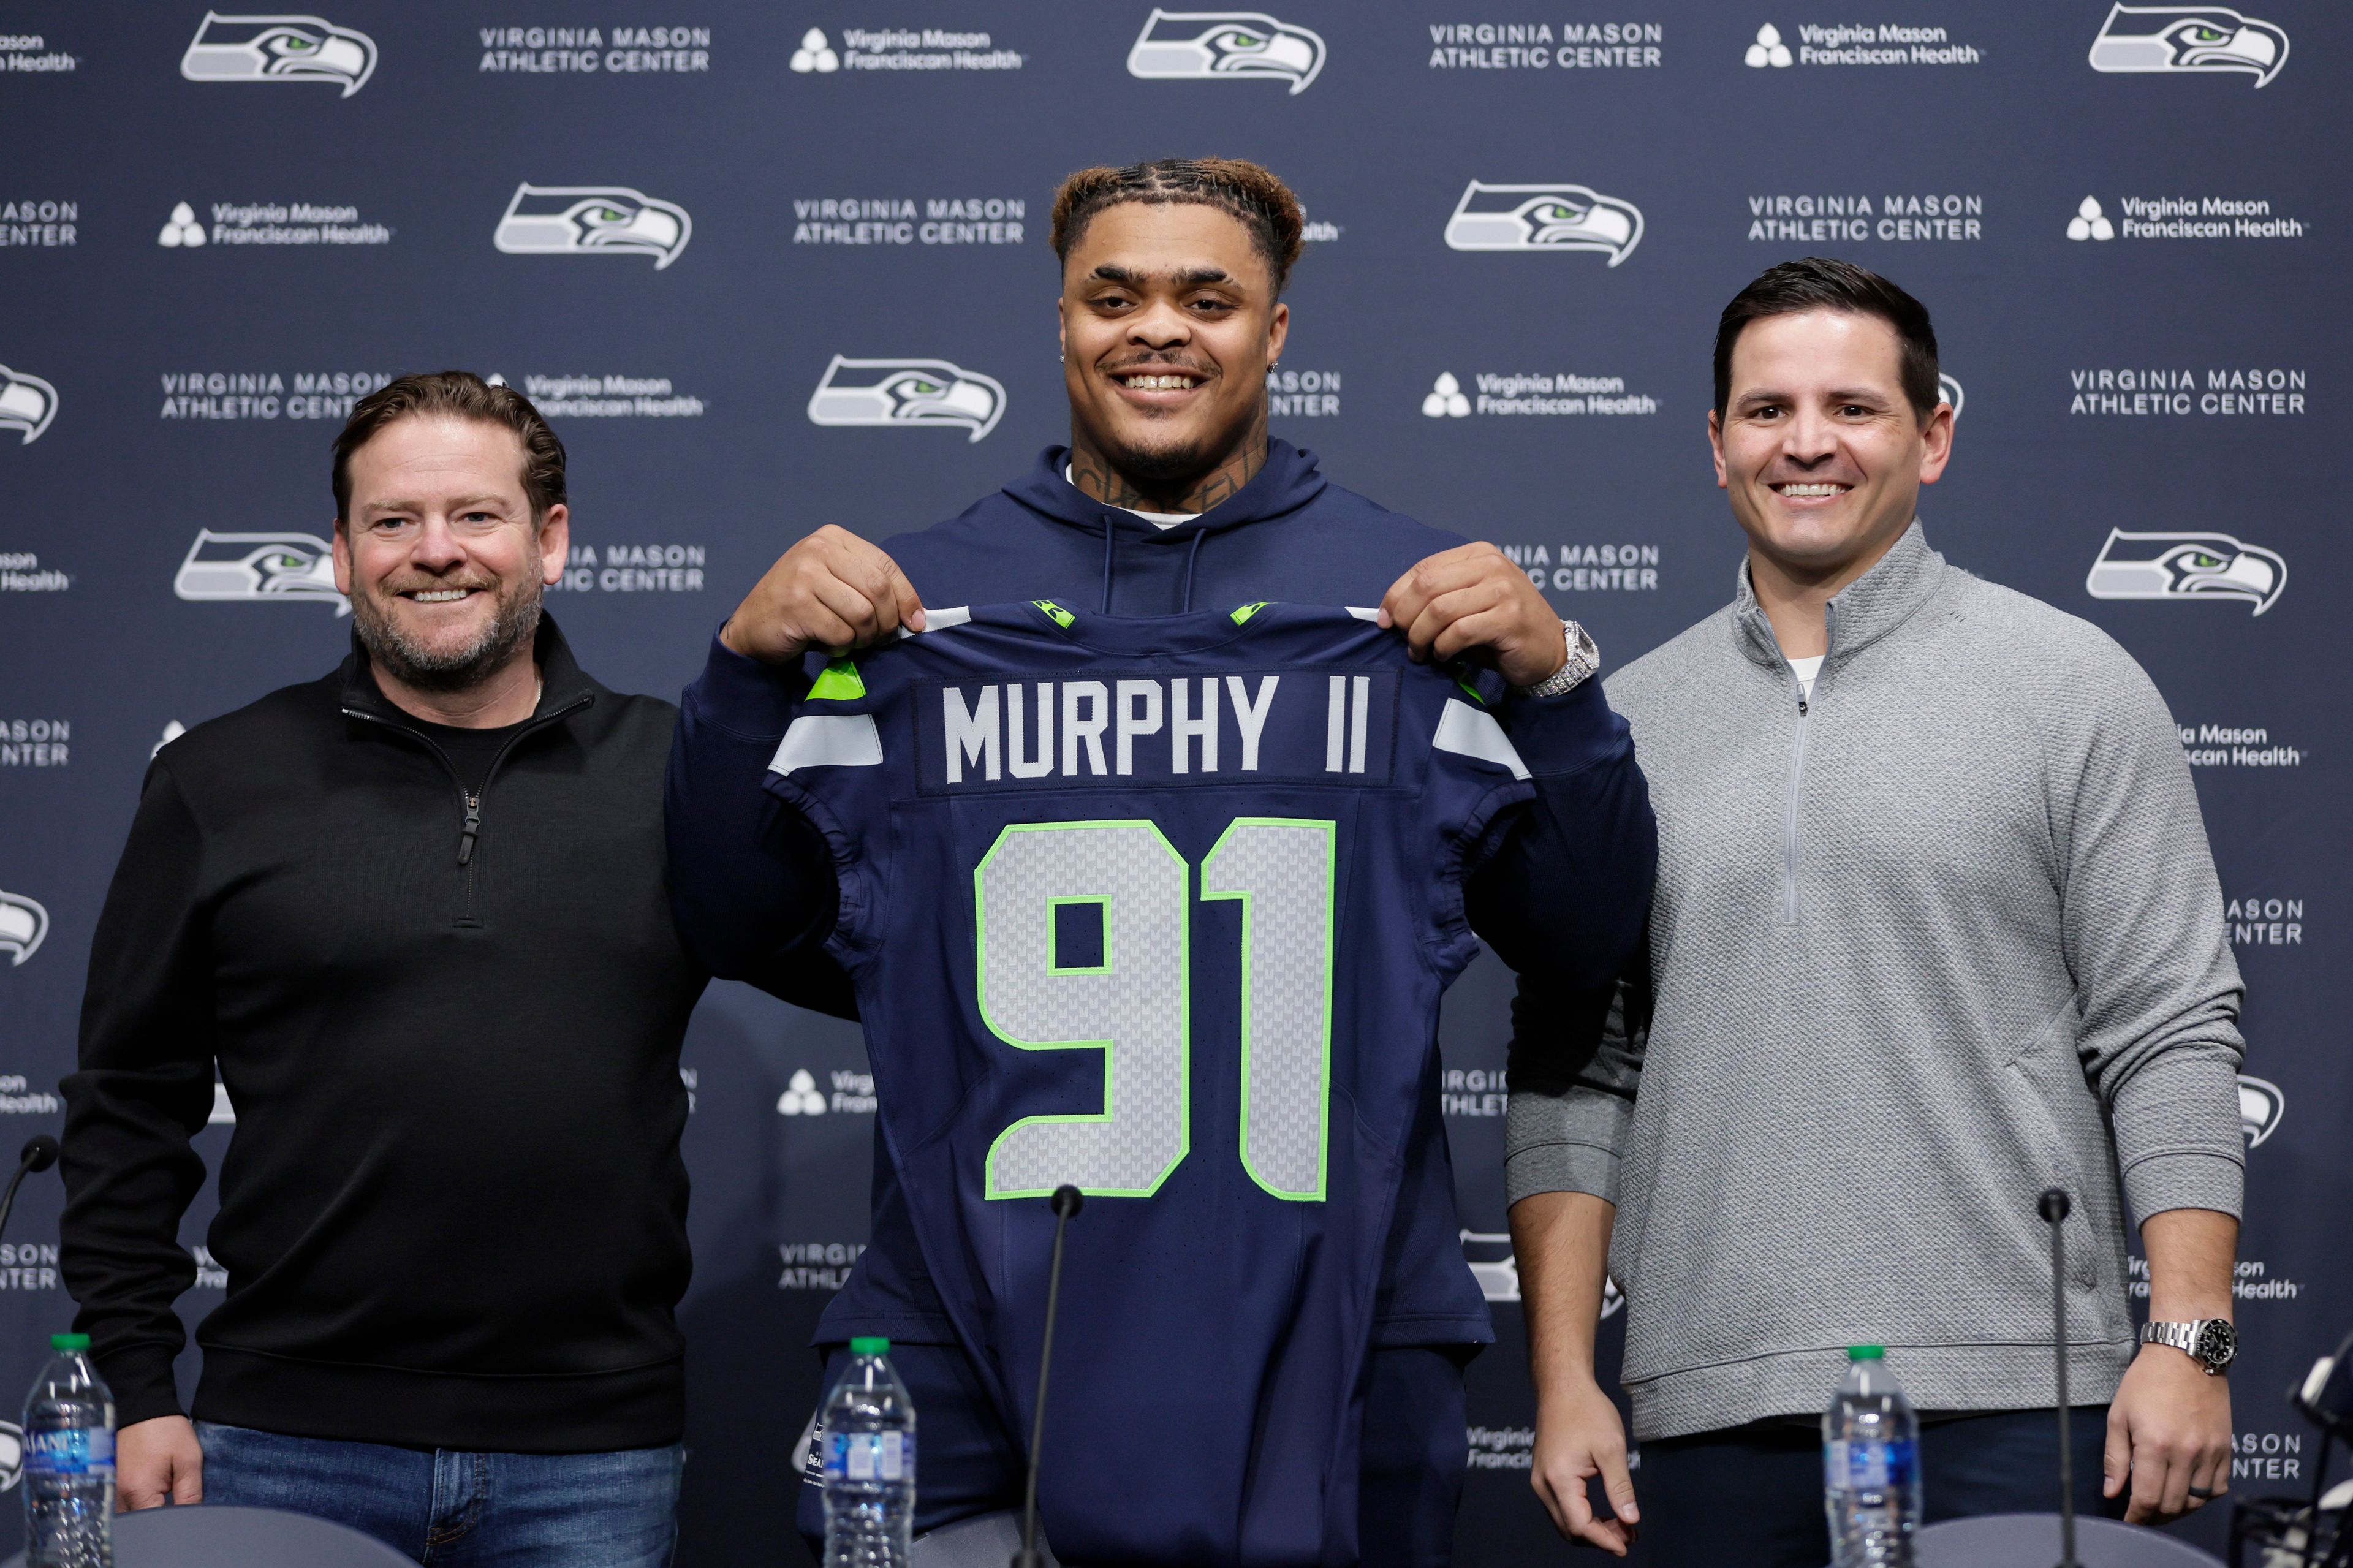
(1499,1273)
(2186,566)
(906,392)
(2137,38)
(1544,217)
(27,404)
(279,48)
(2260,1105)
(261,569)
(593,220)
(12,1455)
(1950,391)
(23,924)
(1225,46)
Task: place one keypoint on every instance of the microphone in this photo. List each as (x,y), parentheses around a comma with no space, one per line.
(2055,1205)
(1067,1203)
(40,1152)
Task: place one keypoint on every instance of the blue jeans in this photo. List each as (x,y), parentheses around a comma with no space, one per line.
(454,1509)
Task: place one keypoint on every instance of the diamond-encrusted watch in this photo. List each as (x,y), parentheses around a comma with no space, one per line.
(2210,1341)
(1584,658)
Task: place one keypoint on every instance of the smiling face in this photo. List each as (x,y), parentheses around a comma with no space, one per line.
(440,556)
(1169,325)
(1819,449)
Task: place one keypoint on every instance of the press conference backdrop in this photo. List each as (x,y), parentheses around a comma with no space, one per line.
(769,267)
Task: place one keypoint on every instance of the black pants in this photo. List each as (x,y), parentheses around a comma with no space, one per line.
(1412,1455)
(1752,1497)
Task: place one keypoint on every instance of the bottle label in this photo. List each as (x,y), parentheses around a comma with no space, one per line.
(71,1451)
(813,1458)
(1867,1466)
(869,1457)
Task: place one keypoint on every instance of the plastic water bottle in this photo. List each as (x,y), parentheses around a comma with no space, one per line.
(868,1435)
(1871,1465)
(69,1462)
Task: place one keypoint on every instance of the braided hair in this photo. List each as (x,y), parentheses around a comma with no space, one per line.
(1247,192)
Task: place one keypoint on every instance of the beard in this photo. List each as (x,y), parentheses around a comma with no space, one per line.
(1165,469)
(514,621)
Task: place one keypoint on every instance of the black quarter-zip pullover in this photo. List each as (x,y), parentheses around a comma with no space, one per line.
(448,1011)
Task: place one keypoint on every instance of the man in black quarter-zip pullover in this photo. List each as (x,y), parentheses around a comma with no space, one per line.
(414,912)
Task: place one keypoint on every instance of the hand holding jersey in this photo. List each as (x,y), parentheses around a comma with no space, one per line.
(832,589)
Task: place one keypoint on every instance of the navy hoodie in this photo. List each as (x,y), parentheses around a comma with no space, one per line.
(1562,900)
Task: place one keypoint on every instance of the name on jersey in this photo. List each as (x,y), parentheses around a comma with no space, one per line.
(1304,726)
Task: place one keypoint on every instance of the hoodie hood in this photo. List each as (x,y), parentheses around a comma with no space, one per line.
(1290,534)
(1289,483)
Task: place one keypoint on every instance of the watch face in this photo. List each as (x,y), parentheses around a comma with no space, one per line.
(2217,1342)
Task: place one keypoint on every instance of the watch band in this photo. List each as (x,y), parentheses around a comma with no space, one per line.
(1583,659)
(2212,1342)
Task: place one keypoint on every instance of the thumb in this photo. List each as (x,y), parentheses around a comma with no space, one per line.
(188,1483)
(911,603)
(2115,1460)
(1618,1482)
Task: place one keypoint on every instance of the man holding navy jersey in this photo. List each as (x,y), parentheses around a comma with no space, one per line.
(1171,497)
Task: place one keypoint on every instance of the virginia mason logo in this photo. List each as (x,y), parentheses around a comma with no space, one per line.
(2186,566)
(1544,217)
(261,569)
(906,393)
(279,48)
(2169,38)
(23,924)
(593,220)
(27,404)
(1225,46)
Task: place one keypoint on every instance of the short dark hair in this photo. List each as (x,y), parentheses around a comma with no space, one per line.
(455,394)
(1247,192)
(1823,283)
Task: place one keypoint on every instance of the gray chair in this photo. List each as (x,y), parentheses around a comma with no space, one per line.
(2032,1541)
(203,1536)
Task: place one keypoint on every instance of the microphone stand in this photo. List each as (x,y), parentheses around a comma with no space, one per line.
(38,1154)
(1067,1203)
(2055,1205)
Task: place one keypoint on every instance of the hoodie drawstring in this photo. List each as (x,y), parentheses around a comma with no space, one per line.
(1192,561)
(1105,606)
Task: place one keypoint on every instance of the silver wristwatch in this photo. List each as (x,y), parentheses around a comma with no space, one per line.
(1584,658)
(2210,1341)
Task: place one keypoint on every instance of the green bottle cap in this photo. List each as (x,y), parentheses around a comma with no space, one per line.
(869,1344)
(69,1342)
(1866,1353)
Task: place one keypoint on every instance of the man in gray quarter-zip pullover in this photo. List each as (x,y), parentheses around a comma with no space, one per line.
(1936,928)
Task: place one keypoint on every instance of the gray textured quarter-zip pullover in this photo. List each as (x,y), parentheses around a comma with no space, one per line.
(1942,934)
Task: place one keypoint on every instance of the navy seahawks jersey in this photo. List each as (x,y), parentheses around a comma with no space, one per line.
(1161,908)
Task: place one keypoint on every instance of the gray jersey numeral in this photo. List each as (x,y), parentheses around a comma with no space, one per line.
(1133,1005)
(1130,1007)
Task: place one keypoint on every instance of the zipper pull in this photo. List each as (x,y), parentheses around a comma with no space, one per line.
(1801,707)
(473,825)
